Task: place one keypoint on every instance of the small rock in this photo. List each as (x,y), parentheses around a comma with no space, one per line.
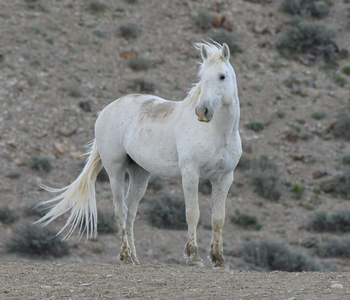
(328,186)
(304,59)
(247,147)
(59,148)
(318,174)
(127,54)
(86,284)
(67,131)
(304,94)
(309,242)
(260,25)
(295,89)
(85,105)
(297,157)
(331,126)
(47,287)
(336,286)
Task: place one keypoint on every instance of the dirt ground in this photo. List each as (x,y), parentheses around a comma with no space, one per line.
(58,54)
(159,281)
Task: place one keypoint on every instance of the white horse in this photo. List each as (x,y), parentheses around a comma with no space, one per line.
(144,135)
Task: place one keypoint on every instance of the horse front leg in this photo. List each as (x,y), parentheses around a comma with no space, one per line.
(220,189)
(190,186)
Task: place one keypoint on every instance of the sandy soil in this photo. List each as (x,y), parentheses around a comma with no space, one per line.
(159,281)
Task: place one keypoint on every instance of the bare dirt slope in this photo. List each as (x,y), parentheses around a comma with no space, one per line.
(105,281)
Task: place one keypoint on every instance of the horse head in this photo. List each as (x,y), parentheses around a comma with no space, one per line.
(217,80)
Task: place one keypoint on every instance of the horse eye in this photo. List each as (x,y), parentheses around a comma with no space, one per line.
(222,77)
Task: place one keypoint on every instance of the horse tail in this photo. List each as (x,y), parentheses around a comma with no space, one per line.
(79,197)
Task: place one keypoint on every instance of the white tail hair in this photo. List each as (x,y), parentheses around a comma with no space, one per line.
(79,197)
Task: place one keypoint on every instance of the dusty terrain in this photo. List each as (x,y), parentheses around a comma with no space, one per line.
(53,57)
(158,281)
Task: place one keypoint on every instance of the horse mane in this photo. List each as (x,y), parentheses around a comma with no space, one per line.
(214,56)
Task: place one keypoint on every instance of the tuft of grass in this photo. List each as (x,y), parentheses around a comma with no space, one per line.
(346,159)
(309,159)
(7,215)
(266,179)
(281,113)
(305,136)
(204,186)
(33,210)
(141,85)
(155,183)
(334,247)
(129,31)
(341,81)
(318,115)
(204,20)
(41,163)
(311,38)
(346,71)
(168,212)
(245,220)
(36,240)
(96,7)
(270,256)
(314,8)
(106,222)
(339,221)
(257,88)
(50,41)
(255,126)
(139,63)
(342,126)
(223,36)
(298,190)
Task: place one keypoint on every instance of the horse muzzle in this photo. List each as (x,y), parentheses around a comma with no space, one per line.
(204,114)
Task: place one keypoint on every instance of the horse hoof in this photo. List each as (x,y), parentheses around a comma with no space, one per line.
(198,264)
(222,265)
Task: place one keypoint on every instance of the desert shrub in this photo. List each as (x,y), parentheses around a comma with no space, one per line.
(305,136)
(265,177)
(168,212)
(36,240)
(34,210)
(139,63)
(50,41)
(223,36)
(342,126)
(309,159)
(244,162)
(269,256)
(321,221)
(245,220)
(141,85)
(155,183)
(204,186)
(41,163)
(7,215)
(129,31)
(99,33)
(315,8)
(298,190)
(342,184)
(341,81)
(334,247)
(255,126)
(74,92)
(318,115)
(346,71)
(346,159)
(281,113)
(96,7)
(314,39)
(204,20)
(106,222)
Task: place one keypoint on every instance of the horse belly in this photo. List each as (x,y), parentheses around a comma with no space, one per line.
(153,148)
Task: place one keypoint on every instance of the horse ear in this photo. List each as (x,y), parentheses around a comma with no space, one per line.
(204,52)
(225,52)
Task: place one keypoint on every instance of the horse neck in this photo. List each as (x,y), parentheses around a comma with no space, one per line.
(227,118)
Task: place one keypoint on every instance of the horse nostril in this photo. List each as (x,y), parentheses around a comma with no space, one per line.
(206,112)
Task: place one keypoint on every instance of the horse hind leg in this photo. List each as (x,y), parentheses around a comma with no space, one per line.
(137,187)
(116,173)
